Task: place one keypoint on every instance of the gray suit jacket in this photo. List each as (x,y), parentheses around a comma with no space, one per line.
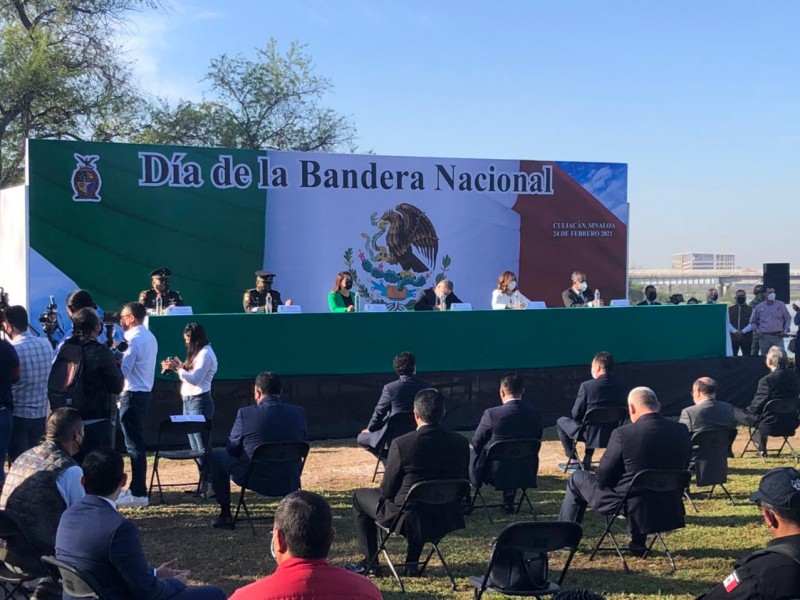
(709,414)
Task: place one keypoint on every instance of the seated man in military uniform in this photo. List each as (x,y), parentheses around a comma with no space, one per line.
(255,299)
(159,282)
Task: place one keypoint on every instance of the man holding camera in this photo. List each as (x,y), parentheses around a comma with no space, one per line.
(139,370)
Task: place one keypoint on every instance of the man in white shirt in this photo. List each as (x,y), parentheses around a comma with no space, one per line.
(139,370)
(30,392)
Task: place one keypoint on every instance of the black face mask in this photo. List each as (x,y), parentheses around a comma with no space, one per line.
(348,285)
(651,296)
(740,299)
(714,298)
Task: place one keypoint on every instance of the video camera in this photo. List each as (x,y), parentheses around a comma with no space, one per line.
(110,318)
(3,300)
(49,321)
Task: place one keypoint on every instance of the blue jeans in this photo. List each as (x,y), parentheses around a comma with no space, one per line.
(6,425)
(198,405)
(132,416)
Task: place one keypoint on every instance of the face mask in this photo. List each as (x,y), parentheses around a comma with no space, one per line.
(512,285)
(348,285)
(714,298)
(771,297)
(740,299)
(583,286)
(651,296)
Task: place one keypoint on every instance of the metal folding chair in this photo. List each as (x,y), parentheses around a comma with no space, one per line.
(519,462)
(531,537)
(19,558)
(76,582)
(710,450)
(608,416)
(649,481)
(784,411)
(398,424)
(422,495)
(264,455)
(168,433)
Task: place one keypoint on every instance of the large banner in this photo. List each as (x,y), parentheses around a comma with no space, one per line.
(104,215)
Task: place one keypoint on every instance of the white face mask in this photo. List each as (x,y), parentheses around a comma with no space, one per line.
(583,286)
(512,285)
(771,297)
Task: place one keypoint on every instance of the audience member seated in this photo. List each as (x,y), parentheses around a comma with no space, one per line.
(649,441)
(603,390)
(440,297)
(269,420)
(707,412)
(302,535)
(43,482)
(778,384)
(774,572)
(396,397)
(95,538)
(512,420)
(429,453)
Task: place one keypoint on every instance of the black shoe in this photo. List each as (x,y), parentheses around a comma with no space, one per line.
(763,454)
(361,569)
(635,550)
(222,523)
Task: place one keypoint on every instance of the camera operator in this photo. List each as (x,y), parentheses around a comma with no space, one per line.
(30,392)
(101,381)
(9,374)
(138,369)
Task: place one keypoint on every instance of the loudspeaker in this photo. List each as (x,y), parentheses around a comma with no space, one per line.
(776,275)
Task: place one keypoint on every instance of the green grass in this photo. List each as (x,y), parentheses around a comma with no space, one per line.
(704,551)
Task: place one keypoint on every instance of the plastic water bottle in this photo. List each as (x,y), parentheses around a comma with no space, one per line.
(268,304)
(159,305)
(516,299)
(597,298)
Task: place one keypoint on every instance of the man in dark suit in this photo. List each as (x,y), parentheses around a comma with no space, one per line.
(440,297)
(780,383)
(603,390)
(268,420)
(429,453)
(649,442)
(650,295)
(512,420)
(707,412)
(578,294)
(94,537)
(396,397)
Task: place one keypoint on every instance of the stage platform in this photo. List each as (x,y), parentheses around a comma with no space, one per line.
(335,364)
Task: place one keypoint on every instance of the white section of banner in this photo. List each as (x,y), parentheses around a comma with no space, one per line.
(14,244)
(478,231)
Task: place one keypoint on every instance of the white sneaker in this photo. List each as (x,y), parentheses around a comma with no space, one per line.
(127,499)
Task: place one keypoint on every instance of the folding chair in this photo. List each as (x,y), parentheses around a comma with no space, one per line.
(398,424)
(424,495)
(710,450)
(607,418)
(168,432)
(516,464)
(266,454)
(781,415)
(76,582)
(648,483)
(19,558)
(528,538)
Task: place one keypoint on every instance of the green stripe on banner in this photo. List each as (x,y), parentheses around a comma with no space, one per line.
(110,239)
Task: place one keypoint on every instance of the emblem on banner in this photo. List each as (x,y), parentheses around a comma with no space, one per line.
(86,179)
(398,259)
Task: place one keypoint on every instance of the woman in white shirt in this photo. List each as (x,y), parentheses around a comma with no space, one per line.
(507,294)
(196,374)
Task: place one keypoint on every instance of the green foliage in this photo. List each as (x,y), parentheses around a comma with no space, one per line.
(272,101)
(61,75)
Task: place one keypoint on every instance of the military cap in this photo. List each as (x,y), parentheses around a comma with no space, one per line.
(265,274)
(162,272)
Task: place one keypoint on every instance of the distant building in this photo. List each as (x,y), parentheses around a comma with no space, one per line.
(694,261)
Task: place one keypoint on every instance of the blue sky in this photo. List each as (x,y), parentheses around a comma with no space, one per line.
(700,99)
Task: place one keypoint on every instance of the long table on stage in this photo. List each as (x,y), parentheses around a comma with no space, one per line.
(335,364)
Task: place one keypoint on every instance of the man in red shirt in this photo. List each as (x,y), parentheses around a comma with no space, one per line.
(301,538)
